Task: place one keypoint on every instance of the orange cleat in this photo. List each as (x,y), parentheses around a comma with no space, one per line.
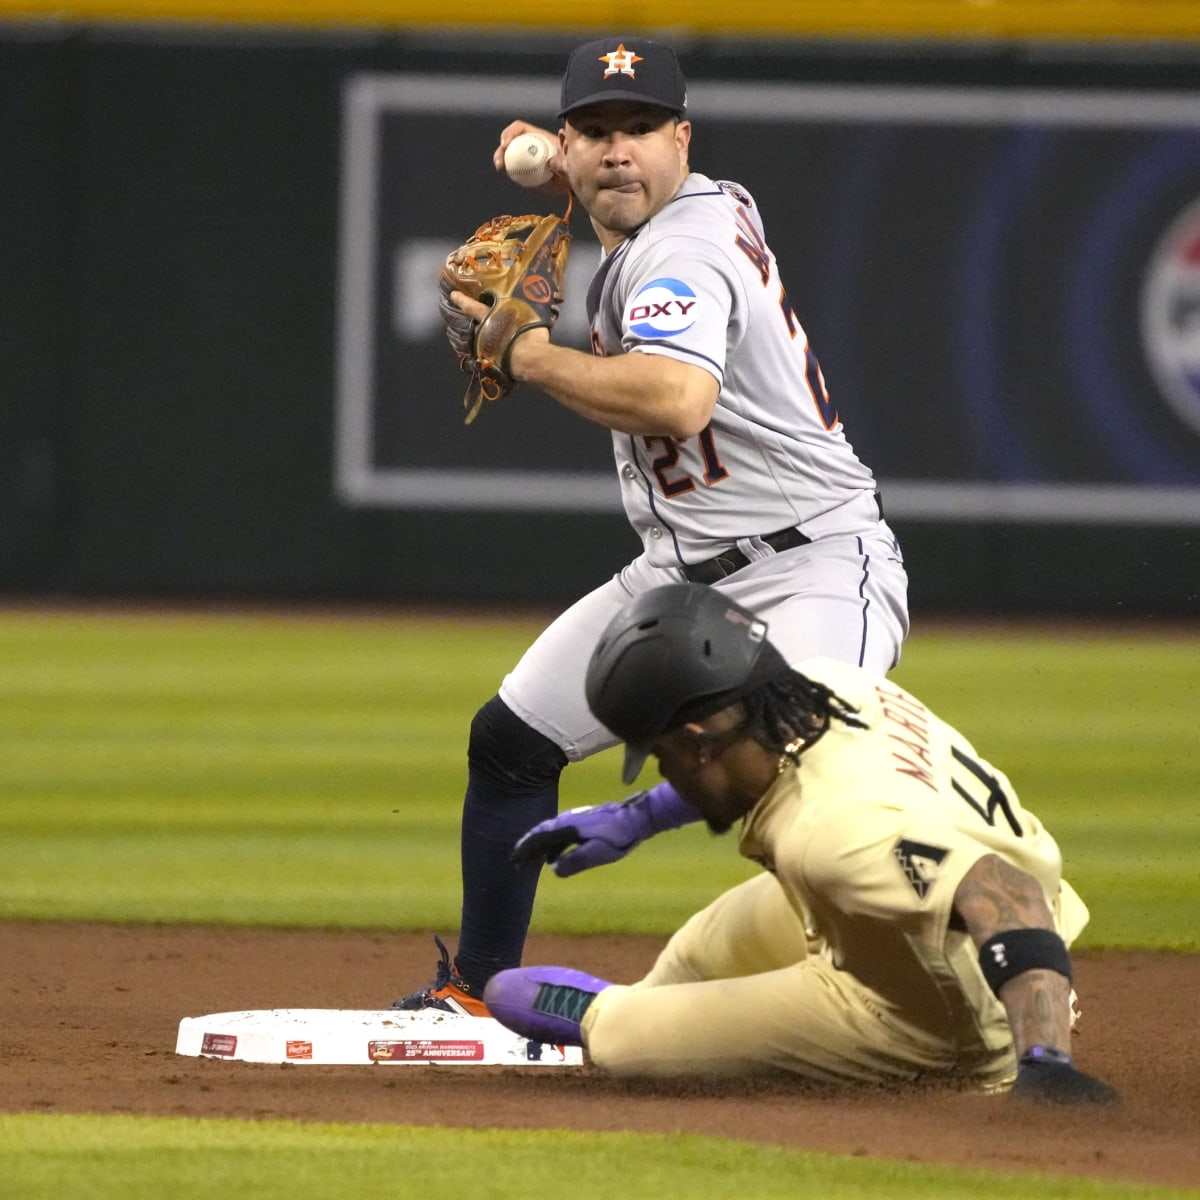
(448,992)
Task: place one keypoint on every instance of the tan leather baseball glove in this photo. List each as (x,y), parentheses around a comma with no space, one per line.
(515,265)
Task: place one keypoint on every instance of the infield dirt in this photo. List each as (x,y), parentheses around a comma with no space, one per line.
(90,1015)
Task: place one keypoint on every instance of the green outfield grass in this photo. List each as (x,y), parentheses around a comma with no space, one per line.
(113,1158)
(280,770)
(288,771)
(268,771)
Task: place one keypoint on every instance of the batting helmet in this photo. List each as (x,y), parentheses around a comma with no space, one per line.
(675,654)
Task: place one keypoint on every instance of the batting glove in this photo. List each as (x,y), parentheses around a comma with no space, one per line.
(603,833)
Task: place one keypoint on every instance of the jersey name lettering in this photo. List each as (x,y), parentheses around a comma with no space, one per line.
(750,242)
(913,718)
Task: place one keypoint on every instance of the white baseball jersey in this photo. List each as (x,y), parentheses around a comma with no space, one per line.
(698,283)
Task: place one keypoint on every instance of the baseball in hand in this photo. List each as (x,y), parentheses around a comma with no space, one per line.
(527,159)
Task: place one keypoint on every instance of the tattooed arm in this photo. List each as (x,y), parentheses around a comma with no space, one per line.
(995,898)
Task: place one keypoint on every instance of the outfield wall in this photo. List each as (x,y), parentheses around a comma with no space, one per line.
(221,374)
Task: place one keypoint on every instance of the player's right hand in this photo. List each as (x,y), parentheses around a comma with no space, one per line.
(601,834)
(557,184)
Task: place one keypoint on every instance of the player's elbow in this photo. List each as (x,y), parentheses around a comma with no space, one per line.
(685,425)
(995,896)
(689,404)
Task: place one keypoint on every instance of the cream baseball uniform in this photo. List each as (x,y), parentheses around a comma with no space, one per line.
(843,961)
(698,283)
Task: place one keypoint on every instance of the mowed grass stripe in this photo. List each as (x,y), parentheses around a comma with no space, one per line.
(112,1158)
(277,769)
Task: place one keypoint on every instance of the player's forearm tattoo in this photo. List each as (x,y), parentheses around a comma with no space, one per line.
(1038,1005)
(995,896)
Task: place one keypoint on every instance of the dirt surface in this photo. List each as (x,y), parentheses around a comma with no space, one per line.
(90,1015)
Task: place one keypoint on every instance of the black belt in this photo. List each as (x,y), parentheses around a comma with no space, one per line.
(731,560)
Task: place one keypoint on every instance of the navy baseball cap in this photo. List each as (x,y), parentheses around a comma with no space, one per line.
(623,68)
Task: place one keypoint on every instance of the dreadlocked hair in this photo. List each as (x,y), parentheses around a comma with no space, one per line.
(790,712)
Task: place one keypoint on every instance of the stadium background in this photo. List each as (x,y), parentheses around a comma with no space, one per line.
(171,306)
(179,309)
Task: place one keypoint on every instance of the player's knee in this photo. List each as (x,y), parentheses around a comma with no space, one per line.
(511,753)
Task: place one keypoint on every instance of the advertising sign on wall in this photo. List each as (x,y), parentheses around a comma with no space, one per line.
(1003,287)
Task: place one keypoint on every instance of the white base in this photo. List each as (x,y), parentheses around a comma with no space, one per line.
(336,1036)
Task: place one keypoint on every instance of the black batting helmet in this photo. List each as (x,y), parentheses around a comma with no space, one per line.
(675,654)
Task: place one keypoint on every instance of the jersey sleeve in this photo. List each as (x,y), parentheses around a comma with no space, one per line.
(681,300)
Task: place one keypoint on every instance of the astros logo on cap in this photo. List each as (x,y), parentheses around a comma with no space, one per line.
(620,62)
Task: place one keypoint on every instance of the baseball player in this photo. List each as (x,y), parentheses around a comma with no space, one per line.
(733,464)
(911,921)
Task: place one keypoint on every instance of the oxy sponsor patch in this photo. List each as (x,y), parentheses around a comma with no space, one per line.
(661,308)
